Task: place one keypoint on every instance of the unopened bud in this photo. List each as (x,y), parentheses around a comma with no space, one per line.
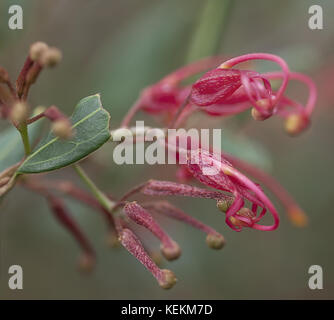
(295,123)
(86,263)
(19,112)
(224,205)
(37,49)
(246,213)
(168,279)
(215,241)
(172,251)
(50,57)
(62,129)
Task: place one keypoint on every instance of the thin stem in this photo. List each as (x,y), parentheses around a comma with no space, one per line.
(210,29)
(25,139)
(98,194)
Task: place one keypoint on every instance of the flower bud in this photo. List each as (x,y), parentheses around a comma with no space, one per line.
(50,57)
(223,205)
(167,280)
(19,112)
(171,251)
(215,241)
(62,129)
(266,106)
(245,213)
(37,49)
(295,123)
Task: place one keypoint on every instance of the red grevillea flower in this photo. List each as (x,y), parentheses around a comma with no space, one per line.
(168,94)
(214,171)
(219,84)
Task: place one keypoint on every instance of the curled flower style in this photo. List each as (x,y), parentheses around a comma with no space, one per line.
(216,86)
(216,172)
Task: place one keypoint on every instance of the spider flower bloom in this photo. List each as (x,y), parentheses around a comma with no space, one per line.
(224,83)
(128,239)
(167,95)
(214,171)
(169,248)
(295,213)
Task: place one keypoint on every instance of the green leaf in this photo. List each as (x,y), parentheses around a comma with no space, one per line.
(91,130)
(11,147)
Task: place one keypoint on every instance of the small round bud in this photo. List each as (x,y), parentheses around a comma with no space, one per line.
(257,115)
(37,49)
(62,129)
(266,106)
(168,279)
(171,252)
(224,205)
(246,212)
(19,112)
(86,263)
(50,57)
(295,123)
(215,241)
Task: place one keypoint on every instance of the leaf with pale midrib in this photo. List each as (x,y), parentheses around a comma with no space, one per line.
(90,123)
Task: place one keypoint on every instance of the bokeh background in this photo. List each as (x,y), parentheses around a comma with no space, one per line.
(117,48)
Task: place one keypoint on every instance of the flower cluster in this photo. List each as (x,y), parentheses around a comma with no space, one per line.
(222,91)
(226,90)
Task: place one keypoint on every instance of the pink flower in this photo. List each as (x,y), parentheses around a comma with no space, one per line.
(168,94)
(225,91)
(214,171)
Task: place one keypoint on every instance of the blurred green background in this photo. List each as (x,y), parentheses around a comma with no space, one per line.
(118,47)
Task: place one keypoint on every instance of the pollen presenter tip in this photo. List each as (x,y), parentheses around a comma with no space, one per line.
(215,241)
(295,123)
(168,279)
(171,252)
(51,57)
(37,49)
